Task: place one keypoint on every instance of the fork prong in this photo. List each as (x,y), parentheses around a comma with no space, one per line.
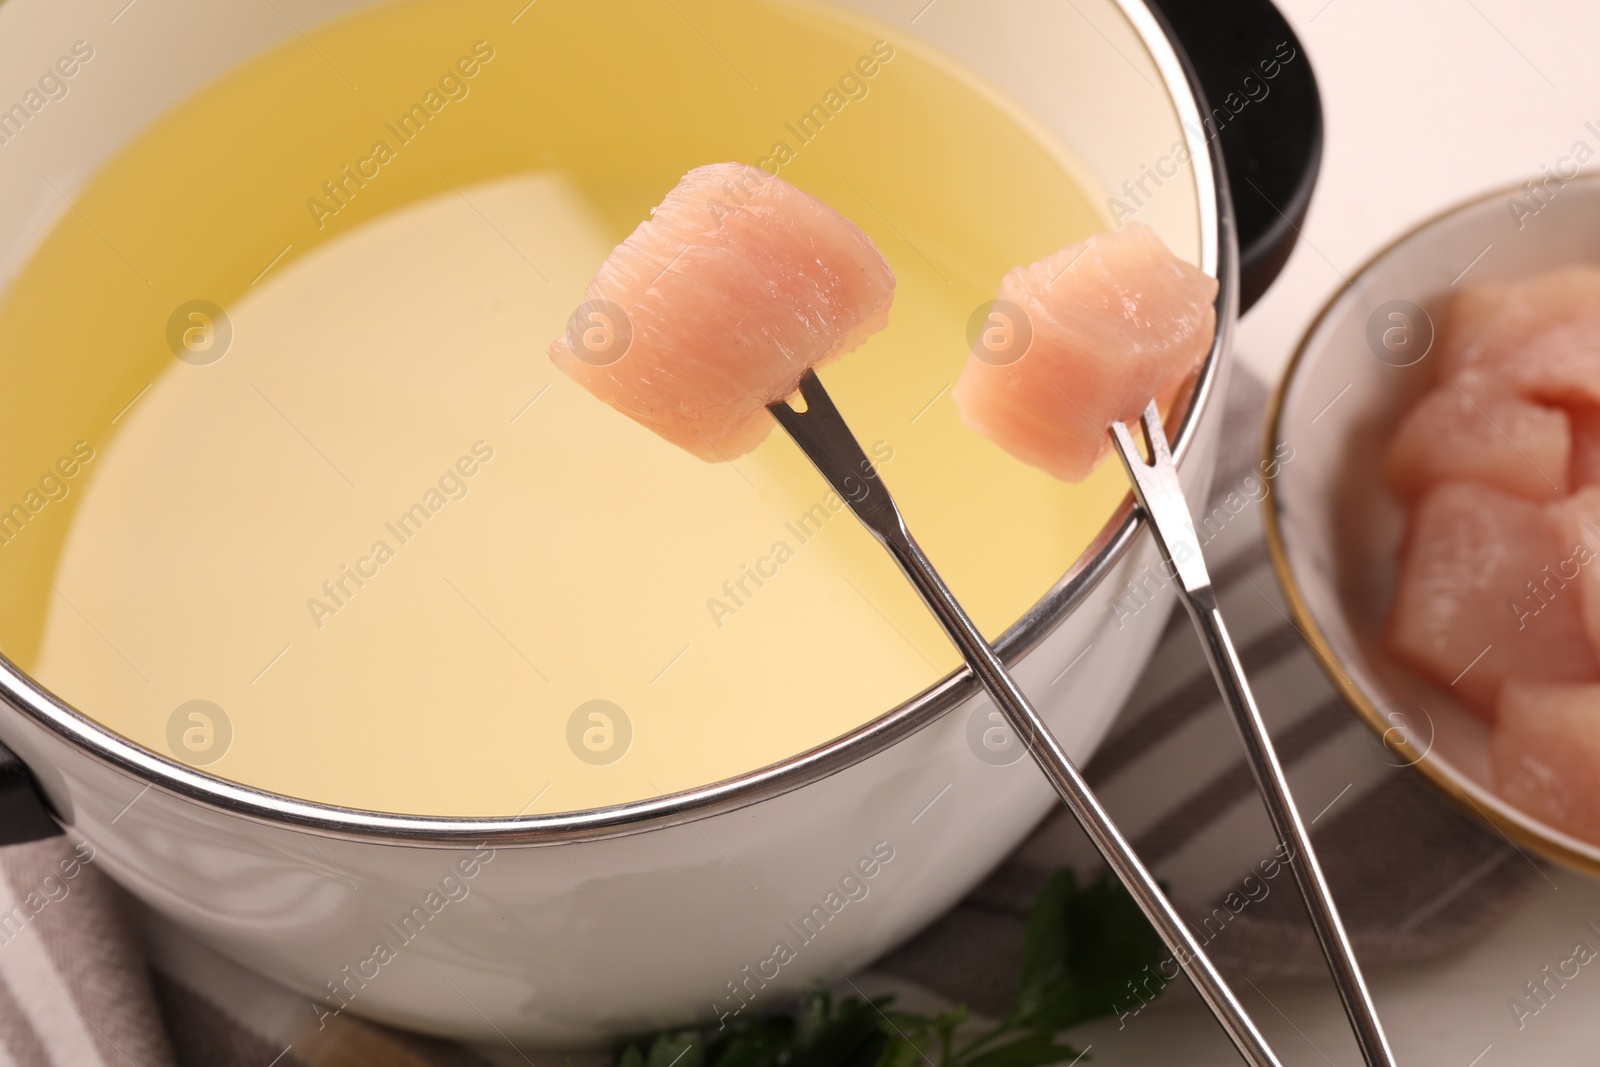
(1124,438)
(1155,434)
(811,388)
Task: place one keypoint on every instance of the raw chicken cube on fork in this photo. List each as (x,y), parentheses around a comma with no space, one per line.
(719,303)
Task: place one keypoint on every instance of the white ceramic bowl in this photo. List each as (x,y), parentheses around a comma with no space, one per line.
(1334,531)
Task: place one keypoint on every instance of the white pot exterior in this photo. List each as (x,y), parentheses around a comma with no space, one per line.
(562,939)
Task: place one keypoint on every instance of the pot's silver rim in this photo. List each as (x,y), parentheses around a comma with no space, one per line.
(1218,257)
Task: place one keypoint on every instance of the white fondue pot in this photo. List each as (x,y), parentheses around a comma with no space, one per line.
(572,929)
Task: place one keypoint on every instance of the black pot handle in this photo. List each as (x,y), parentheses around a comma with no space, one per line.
(1260,100)
(24,816)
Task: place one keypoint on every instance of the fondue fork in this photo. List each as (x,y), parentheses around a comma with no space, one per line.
(817,427)
(1160,496)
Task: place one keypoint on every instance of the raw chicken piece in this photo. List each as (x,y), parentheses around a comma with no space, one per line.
(1474,429)
(1559,363)
(1585,465)
(1480,597)
(1577,522)
(1546,754)
(1115,321)
(1488,320)
(719,303)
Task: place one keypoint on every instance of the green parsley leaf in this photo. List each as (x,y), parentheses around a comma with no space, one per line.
(1087,949)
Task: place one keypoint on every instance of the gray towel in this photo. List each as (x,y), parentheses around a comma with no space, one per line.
(87,979)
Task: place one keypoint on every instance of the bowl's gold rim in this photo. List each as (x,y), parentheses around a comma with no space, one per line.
(1517,833)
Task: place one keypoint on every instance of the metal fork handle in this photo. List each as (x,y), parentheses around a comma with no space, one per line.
(1160,494)
(822,434)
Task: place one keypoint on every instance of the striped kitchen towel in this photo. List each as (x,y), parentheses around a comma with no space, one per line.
(89,980)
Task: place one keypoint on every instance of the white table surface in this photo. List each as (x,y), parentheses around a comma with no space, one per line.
(1427,103)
